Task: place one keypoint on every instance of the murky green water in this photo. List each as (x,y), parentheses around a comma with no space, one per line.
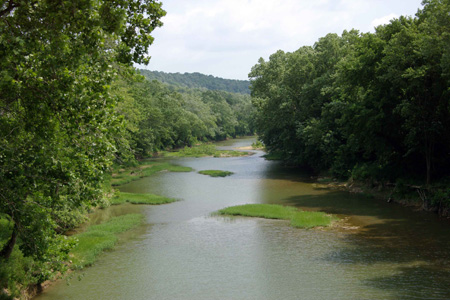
(182,252)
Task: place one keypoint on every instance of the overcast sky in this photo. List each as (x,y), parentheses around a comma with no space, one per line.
(225,38)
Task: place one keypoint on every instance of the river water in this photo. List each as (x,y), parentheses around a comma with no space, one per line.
(383,251)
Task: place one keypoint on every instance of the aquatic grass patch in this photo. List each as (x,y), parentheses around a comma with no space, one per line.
(204,150)
(101,237)
(144,169)
(135,198)
(216,173)
(310,219)
(267,211)
(298,218)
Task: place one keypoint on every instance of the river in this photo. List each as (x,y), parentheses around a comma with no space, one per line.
(384,251)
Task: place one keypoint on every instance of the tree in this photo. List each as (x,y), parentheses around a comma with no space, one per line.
(374,104)
(424,71)
(57,118)
(290,91)
(225,118)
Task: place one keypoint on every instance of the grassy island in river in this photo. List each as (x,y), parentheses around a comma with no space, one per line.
(298,218)
(216,173)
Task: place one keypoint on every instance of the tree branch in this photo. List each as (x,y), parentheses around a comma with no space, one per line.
(9,8)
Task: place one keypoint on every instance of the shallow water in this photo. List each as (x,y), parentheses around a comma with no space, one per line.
(183,252)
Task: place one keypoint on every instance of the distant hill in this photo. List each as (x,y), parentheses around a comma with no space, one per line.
(199,81)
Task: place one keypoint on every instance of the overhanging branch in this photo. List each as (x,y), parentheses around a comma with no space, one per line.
(9,8)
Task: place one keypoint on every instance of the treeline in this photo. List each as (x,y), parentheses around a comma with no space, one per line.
(161,117)
(71,105)
(199,81)
(371,106)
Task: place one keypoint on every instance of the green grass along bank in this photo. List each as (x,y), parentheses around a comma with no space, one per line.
(135,198)
(204,150)
(98,238)
(101,237)
(88,245)
(123,175)
(145,168)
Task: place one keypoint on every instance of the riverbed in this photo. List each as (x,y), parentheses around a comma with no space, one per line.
(379,251)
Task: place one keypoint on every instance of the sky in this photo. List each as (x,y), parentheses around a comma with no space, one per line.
(225,38)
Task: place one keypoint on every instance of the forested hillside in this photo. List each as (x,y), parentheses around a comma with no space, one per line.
(368,106)
(199,81)
(158,117)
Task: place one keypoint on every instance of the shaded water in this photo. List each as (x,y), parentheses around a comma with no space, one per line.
(182,252)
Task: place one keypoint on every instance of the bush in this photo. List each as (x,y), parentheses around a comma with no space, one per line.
(257,145)
(440,197)
(16,273)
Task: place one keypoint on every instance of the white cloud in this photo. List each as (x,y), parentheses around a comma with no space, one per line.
(226,37)
(384,20)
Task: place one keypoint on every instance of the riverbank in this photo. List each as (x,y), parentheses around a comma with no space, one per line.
(389,252)
(434,198)
(204,150)
(93,240)
(122,175)
(415,197)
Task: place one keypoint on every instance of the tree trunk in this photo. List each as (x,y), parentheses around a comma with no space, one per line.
(9,246)
(428,159)
(429,151)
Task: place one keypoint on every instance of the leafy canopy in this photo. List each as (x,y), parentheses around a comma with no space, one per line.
(57,115)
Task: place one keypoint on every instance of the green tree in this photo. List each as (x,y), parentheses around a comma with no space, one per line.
(290,91)
(225,118)
(57,116)
(421,83)
(373,104)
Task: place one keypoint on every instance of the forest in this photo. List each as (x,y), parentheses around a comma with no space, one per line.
(71,106)
(158,117)
(199,81)
(372,107)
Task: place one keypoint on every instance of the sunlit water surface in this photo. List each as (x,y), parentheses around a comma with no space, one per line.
(183,252)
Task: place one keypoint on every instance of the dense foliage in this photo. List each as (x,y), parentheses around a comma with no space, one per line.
(368,105)
(70,105)
(199,81)
(159,117)
(57,118)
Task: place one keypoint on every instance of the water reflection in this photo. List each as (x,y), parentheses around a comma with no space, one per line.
(185,253)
